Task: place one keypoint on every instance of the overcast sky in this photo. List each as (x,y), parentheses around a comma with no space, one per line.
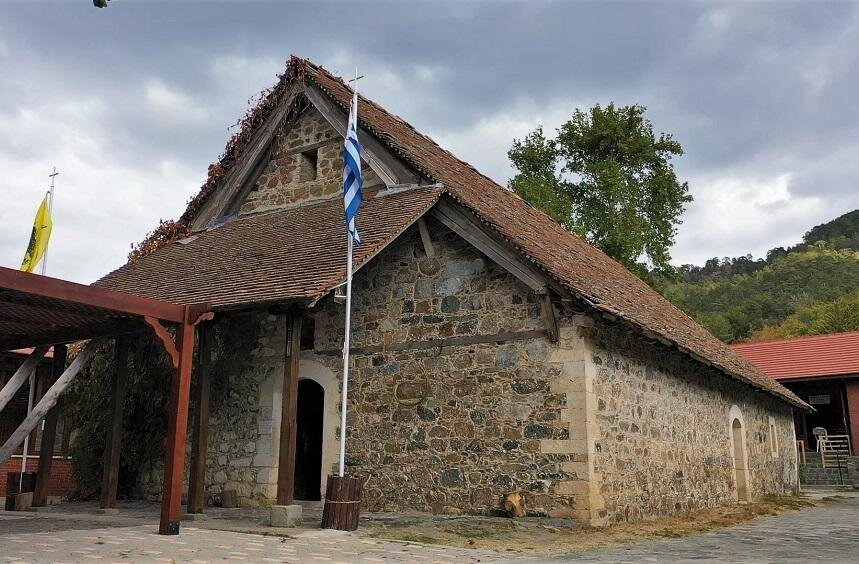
(132,102)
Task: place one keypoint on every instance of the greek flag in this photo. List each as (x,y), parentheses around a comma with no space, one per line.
(352,180)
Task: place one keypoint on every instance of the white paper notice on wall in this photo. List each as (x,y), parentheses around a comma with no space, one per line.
(264,421)
(821,399)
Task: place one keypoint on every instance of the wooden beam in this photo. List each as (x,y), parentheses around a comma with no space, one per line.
(549,319)
(47,287)
(289,411)
(49,433)
(21,375)
(166,339)
(177,430)
(458,341)
(384,163)
(100,330)
(425,237)
(113,448)
(197,476)
(469,227)
(47,402)
(23,310)
(244,167)
(247,186)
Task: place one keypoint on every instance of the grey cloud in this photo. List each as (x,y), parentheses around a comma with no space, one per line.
(752,90)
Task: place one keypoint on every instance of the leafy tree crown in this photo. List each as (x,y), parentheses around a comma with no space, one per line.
(608,177)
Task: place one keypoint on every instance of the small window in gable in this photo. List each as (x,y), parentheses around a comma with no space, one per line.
(307,161)
(773,437)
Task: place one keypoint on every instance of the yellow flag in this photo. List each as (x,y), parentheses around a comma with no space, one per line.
(39,238)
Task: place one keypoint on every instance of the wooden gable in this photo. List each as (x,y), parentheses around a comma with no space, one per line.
(295,157)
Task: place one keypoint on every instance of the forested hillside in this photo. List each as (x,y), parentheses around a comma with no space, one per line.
(806,289)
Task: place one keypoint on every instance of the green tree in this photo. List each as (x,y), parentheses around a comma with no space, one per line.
(816,318)
(609,178)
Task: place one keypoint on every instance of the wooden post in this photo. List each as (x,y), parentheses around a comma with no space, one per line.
(110,475)
(46,449)
(289,411)
(197,478)
(177,430)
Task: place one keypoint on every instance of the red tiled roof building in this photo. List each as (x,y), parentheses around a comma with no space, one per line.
(821,369)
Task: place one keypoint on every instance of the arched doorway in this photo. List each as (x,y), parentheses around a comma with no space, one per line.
(740,461)
(308,442)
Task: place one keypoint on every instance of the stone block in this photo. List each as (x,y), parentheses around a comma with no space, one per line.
(566,354)
(229,498)
(263,460)
(555,446)
(23,501)
(574,487)
(285,515)
(580,469)
(194,516)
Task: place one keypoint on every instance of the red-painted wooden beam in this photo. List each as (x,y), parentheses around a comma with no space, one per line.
(89,295)
(177,430)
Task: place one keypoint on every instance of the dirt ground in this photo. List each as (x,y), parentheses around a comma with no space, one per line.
(535,536)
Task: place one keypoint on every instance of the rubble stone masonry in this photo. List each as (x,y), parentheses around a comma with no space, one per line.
(663,431)
(457,396)
(306,166)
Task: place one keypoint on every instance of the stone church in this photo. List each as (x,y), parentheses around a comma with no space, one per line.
(492,350)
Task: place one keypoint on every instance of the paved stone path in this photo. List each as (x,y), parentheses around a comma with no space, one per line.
(827,533)
(93,542)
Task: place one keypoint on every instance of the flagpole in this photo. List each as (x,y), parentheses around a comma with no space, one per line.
(346,354)
(53,175)
(348,330)
(32,379)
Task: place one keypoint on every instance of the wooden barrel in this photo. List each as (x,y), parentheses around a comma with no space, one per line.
(342,503)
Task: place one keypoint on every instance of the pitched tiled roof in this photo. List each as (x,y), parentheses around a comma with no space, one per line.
(584,270)
(835,354)
(297,253)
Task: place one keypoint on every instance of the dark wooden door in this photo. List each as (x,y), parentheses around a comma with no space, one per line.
(308,442)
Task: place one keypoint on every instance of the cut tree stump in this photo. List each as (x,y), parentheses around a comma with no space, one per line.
(514,504)
(342,503)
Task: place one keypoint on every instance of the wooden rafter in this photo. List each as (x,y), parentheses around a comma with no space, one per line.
(468,226)
(54,288)
(549,318)
(252,160)
(123,326)
(166,339)
(425,238)
(384,163)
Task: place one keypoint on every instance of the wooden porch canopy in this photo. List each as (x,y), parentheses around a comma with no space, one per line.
(38,311)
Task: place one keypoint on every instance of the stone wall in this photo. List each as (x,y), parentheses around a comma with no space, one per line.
(458,416)
(458,397)
(247,367)
(307,165)
(663,443)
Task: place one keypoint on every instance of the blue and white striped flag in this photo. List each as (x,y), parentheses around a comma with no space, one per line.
(352,179)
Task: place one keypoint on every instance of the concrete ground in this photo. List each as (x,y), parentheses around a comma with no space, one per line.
(828,532)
